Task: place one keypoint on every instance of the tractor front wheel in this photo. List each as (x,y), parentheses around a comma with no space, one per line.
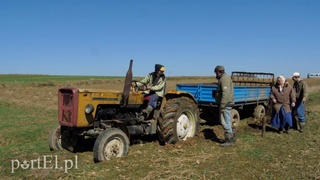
(111,143)
(55,138)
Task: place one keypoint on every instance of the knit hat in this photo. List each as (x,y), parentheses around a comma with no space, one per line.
(159,67)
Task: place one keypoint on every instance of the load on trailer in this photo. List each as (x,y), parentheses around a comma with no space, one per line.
(251,94)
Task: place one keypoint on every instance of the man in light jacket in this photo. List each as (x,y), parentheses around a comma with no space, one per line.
(155,84)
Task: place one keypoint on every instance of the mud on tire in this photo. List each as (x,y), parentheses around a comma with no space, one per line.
(235,118)
(178,120)
(259,111)
(111,143)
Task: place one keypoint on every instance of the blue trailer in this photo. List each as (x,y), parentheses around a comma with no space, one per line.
(251,94)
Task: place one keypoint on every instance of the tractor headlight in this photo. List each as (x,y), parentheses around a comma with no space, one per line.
(89,108)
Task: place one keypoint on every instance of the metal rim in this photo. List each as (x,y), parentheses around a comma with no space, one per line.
(59,141)
(113,148)
(235,118)
(58,137)
(262,111)
(185,125)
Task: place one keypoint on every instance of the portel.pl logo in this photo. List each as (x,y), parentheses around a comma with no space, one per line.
(45,162)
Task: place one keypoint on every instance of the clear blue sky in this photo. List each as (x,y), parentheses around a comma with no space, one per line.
(189,37)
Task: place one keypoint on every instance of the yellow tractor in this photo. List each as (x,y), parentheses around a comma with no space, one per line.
(111,118)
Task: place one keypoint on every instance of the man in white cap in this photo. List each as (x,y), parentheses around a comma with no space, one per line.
(300,87)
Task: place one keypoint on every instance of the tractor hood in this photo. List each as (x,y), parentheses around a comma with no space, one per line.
(99,91)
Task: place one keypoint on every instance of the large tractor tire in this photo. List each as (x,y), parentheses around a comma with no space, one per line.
(178,120)
(259,112)
(111,143)
(55,138)
(235,118)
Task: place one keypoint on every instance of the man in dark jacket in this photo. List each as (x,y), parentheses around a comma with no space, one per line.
(225,99)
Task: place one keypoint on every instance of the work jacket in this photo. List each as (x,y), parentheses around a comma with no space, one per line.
(224,95)
(158,84)
(301,89)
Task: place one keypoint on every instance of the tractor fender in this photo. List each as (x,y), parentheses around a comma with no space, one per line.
(120,125)
(176,94)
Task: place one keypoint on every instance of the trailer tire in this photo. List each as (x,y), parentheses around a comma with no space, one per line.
(235,118)
(111,143)
(259,111)
(55,138)
(178,120)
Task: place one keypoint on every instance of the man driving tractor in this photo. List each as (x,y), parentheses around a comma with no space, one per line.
(154,83)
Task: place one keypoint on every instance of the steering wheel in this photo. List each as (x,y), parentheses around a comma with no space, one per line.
(135,87)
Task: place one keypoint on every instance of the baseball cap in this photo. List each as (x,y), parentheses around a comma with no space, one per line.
(296,74)
(162,68)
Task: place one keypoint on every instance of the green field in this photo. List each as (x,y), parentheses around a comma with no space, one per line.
(49,78)
(26,120)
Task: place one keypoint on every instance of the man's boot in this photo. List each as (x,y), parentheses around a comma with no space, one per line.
(301,124)
(234,137)
(280,131)
(145,113)
(287,128)
(228,140)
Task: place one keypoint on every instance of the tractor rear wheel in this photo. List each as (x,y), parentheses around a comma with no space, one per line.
(178,120)
(55,138)
(111,143)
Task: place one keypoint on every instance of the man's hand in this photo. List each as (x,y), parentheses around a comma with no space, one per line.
(304,99)
(274,101)
(133,85)
(293,104)
(221,110)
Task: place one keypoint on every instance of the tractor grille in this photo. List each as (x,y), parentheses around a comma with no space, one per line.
(68,106)
(67,100)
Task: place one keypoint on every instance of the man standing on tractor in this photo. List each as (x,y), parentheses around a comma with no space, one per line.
(154,83)
(300,87)
(225,100)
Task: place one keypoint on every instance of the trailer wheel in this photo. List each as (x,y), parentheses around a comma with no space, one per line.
(235,118)
(178,120)
(259,111)
(55,138)
(111,143)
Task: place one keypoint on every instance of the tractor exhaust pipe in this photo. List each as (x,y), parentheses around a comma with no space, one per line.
(127,85)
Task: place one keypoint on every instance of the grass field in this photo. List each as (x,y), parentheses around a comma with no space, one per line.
(24,79)
(28,111)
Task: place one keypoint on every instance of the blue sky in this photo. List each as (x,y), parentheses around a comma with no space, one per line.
(189,37)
